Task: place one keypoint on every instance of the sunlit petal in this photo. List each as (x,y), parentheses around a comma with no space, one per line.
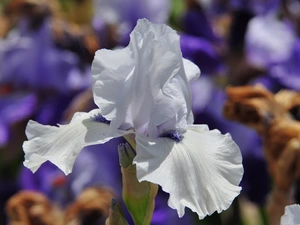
(62,144)
(133,85)
(201,172)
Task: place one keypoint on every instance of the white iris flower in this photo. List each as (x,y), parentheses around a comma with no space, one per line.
(143,89)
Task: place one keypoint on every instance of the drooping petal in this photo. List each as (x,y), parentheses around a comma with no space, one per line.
(291,215)
(201,172)
(61,145)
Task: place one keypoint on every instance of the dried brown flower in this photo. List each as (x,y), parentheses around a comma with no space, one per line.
(274,117)
(90,208)
(32,208)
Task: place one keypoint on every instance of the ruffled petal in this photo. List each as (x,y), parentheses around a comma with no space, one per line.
(61,145)
(133,86)
(192,71)
(169,84)
(110,70)
(151,77)
(291,215)
(201,172)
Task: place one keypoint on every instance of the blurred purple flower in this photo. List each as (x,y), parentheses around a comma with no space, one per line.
(287,73)
(201,52)
(258,7)
(265,48)
(125,13)
(29,59)
(195,22)
(14,108)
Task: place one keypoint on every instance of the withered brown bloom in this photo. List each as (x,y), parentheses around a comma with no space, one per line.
(90,208)
(80,39)
(276,120)
(32,208)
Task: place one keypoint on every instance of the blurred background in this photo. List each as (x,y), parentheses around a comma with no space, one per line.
(46,50)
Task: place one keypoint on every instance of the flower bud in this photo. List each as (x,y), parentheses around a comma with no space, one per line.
(116,216)
(138,196)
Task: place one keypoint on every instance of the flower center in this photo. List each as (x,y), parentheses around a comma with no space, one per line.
(99,118)
(175,135)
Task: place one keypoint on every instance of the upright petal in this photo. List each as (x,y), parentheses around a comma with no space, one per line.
(133,86)
(61,145)
(201,172)
(151,77)
(179,102)
(110,70)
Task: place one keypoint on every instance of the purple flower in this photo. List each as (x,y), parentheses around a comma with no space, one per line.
(259,7)
(124,13)
(195,22)
(30,60)
(201,52)
(14,108)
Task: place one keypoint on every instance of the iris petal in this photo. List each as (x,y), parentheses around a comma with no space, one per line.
(202,172)
(62,144)
(132,86)
(291,215)
(192,71)
(110,70)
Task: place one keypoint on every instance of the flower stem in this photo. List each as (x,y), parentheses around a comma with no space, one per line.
(138,196)
(116,216)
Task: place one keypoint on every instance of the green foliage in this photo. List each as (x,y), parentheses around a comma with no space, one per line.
(177,9)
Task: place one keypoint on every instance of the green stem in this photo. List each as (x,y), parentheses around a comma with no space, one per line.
(138,196)
(263,215)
